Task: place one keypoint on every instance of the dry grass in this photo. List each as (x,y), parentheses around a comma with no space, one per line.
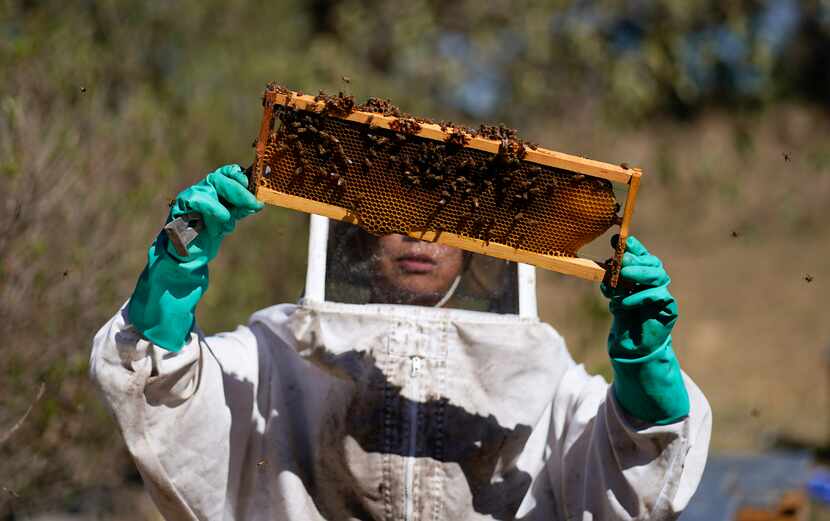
(83,190)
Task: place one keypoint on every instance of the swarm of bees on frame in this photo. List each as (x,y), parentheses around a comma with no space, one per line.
(452,175)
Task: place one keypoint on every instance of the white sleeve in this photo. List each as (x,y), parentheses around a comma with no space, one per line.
(186,417)
(608,465)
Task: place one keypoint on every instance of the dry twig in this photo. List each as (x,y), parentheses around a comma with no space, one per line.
(8,434)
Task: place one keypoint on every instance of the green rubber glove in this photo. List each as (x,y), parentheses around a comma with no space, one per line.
(165,297)
(647,379)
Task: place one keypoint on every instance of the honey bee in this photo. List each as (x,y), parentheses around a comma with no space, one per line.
(464,220)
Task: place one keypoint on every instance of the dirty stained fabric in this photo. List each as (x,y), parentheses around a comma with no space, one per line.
(336,411)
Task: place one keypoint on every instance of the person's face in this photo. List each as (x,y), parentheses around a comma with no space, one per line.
(410,271)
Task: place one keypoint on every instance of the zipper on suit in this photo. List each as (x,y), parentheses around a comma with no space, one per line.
(415,368)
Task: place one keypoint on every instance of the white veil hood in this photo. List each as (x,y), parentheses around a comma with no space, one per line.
(318,287)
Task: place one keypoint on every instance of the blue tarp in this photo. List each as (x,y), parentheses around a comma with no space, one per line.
(730,482)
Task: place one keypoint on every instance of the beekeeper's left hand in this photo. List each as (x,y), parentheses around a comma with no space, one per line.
(647,378)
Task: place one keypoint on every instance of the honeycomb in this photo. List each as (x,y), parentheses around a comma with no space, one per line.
(396,182)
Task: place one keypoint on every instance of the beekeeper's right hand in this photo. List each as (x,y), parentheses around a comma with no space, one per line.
(163,304)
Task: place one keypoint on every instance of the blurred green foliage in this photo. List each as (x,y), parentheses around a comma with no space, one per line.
(108,108)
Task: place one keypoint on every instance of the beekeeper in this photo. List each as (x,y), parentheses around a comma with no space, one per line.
(412,381)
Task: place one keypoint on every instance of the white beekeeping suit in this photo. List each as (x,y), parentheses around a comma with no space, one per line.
(333,410)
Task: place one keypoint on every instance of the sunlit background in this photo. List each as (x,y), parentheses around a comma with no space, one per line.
(109,108)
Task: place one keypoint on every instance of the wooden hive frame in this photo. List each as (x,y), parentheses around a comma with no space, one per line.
(577,266)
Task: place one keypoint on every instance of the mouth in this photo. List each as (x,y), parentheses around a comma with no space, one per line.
(416,263)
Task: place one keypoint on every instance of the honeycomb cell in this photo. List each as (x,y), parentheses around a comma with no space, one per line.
(400,183)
